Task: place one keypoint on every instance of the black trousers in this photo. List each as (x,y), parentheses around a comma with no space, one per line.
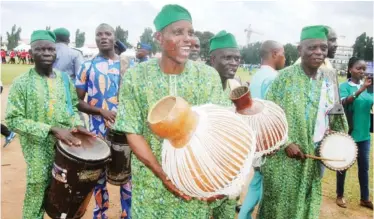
(4,130)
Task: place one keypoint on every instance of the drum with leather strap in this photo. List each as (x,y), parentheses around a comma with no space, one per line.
(75,172)
(118,171)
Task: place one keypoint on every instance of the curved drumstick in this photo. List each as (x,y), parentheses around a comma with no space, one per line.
(322,158)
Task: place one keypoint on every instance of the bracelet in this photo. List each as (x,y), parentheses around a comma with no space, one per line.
(354,95)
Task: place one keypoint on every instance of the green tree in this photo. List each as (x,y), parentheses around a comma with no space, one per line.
(13,37)
(369,49)
(204,38)
(147,37)
(79,38)
(363,47)
(291,54)
(122,35)
(251,53)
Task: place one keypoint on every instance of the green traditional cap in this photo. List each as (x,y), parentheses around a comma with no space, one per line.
(170,14)
(43,35)
(222,40)
(62,32)
(314,32)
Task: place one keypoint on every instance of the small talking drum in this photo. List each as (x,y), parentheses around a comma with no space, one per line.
(75,172)
(266,118)
(118,171)
(340,151)
(207,150)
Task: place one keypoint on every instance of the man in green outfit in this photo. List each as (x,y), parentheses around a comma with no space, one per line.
(224,56)
(292,184)
(39,112)
(153,195)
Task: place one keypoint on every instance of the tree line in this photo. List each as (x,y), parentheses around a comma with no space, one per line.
(362,48)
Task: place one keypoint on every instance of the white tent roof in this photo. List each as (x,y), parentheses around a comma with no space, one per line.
(22,47)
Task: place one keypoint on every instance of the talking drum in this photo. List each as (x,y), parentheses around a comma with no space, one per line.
(339,151)
(266,118)
(118,171)
(207,150)
(75,172)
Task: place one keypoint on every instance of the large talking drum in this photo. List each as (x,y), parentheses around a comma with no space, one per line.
(266,118)
(207,150)
(339,151)
(75,172)
(118,171)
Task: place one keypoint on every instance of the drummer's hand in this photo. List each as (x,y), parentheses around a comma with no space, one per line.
(293,151)
(65,136)
(171,187)
(108,124)
(82,130)
(212,199)
(108,115)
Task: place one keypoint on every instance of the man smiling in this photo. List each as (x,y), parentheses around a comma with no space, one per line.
(224,55)
(154,196)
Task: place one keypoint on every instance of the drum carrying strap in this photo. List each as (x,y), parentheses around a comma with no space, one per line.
(65,78)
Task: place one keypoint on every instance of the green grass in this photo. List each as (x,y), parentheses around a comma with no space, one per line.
(352,189)
(10,71)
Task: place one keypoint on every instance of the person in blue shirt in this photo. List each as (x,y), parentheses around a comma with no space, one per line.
(272,59)
(143,51)
(99,80)
(68,60)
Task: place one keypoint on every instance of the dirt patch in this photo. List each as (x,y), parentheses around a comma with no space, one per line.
(13,182)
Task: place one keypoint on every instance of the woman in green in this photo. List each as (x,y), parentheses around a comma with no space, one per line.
(357,102)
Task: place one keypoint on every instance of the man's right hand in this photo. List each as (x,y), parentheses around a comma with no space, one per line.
(65,136)
(108,115)
(171,187)
(293,151)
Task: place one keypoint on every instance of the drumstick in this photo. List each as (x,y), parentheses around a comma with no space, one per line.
(322,158)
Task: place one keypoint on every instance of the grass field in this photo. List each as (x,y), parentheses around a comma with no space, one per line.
(11,71)
(352,191)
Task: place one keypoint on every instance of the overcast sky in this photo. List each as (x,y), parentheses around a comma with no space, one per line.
(276,20)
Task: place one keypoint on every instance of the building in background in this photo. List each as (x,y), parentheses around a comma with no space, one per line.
(342,56)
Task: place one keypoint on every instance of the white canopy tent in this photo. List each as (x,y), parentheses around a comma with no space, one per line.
(22,47)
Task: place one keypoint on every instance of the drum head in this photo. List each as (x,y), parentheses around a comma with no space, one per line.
(339,146)
(91,149)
